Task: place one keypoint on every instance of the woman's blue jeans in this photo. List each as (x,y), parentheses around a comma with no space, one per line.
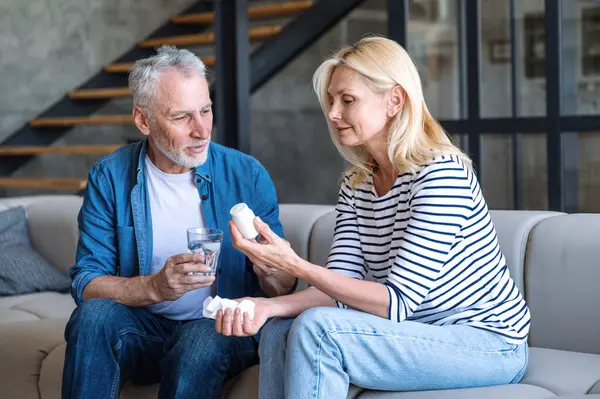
(320,353)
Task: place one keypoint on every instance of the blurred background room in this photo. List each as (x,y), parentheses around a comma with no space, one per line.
(515,82)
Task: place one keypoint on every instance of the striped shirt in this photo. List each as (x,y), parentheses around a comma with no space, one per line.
(430,240)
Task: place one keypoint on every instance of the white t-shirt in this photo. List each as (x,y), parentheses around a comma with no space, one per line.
(175,207)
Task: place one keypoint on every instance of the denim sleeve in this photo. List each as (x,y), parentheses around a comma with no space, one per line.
(96,250)
(266,205)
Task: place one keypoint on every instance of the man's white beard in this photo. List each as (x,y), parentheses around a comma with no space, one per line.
(179,157)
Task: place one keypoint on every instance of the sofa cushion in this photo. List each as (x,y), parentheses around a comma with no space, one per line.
(45,218)
(562,372)
(596,388)
(244,386)
(22,269)
(23,348)
(298,222)
(131,391)
(322,238)
(50,383)
(578,397)
(562,274)
(516,391)
(46,215)
(42,305)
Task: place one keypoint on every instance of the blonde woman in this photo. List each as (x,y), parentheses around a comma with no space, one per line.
(439,309)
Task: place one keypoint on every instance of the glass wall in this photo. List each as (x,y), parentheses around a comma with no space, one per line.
(519,81)
(514,174)
(587,179)
(433,43)
(580,57)
(501,96)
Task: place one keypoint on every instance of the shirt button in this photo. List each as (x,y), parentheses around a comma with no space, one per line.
(220,271)
(204,197)
(198,180)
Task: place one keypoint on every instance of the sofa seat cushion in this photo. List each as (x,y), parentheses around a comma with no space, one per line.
(132,391)
(562,277)
(563,372)
(596,388)
(578,397)
(43,305)
(24,347)
(516,391)
(244,386)
(50,383)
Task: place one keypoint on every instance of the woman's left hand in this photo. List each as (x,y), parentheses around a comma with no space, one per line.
(273,251)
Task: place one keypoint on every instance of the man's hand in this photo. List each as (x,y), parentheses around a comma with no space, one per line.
(240,325)
(173,280)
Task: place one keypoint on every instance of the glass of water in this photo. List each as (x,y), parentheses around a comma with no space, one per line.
(208,243)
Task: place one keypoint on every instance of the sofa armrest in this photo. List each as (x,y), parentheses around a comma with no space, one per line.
(53,228)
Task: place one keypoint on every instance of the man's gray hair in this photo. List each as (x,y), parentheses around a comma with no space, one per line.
(145,72)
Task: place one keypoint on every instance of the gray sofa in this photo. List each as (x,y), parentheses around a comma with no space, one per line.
(554,258)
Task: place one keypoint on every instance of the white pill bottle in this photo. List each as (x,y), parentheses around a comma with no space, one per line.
(243,218)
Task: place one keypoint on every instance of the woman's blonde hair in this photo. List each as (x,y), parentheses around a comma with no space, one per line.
(415,137)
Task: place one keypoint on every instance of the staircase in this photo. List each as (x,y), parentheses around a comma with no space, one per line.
(77,106)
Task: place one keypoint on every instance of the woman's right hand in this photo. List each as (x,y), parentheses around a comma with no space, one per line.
(239,324)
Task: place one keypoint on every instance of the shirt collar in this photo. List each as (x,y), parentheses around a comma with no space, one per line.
(204,171)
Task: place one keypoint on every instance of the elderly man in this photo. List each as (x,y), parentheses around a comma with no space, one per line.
(138,290)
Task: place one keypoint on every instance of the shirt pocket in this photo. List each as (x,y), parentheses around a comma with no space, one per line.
(127,251)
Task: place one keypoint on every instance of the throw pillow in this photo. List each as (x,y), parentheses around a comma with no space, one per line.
(22,269)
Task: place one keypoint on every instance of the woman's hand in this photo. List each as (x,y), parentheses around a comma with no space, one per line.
(240,325)
(260,268)
(272,252)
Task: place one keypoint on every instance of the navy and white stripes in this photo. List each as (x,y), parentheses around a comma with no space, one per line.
(431,242)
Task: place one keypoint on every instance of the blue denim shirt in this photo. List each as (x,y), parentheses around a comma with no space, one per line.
(115,223)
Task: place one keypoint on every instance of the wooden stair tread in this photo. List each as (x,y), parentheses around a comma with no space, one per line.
(108,92)
(257,12)
(124,67)
(257,33)
(83,120)
(70,149)
(43,183)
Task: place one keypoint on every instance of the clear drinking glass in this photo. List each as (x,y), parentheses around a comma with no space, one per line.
(208,243)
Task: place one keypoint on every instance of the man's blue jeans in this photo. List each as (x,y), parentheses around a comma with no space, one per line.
(320,353)
(108,343)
